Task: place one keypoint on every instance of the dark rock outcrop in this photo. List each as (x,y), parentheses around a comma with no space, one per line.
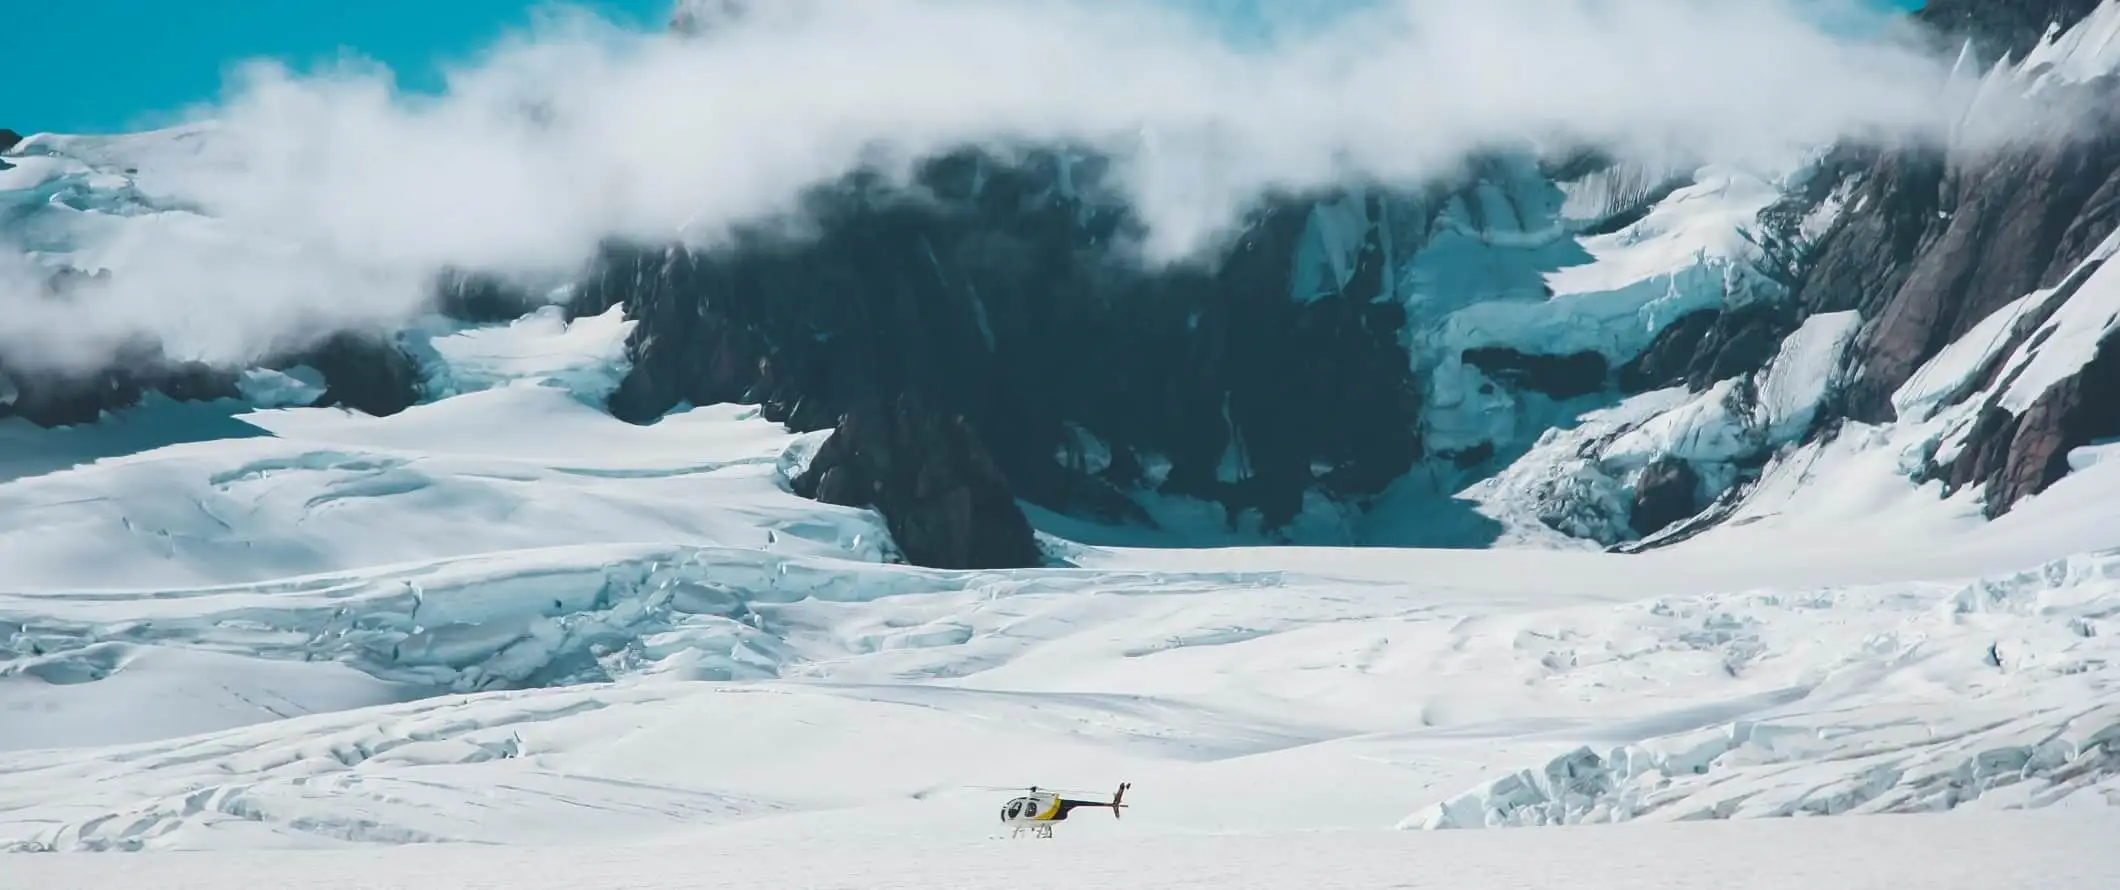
(53,398)
(945,502)
(981,334)
(1669,359)
(479,299)
(1740,342)
(1948,243)
(364,373)
(1944,241)
(2001,26)
(1560,376)
(369,374)
(2019,455)
(1941,241)
(1668,493)
(1709,346)
(994,293)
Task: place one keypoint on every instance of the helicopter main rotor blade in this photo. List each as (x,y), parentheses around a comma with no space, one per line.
(1038,788)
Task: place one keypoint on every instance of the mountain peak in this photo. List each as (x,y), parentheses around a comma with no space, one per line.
(2004,26)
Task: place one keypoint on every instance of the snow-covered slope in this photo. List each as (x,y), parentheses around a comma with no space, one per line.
(504,617)
(599,631)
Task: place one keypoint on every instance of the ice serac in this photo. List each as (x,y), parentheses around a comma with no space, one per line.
(2032,721)
(1644,470)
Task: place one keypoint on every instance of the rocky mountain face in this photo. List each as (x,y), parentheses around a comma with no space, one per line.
(366,372)
(995,297)
(2000,27)
(945,502)
(363,373)
(1000,305)
(1947,241)
(983,335)
(1279,371)
(1929,251)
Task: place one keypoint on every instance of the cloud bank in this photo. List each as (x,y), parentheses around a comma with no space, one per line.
(330,198)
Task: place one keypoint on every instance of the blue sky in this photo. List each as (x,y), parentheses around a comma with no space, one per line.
(90,66)
(112,65)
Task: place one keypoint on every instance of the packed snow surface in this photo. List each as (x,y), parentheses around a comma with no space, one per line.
(2071,851)
(504,617)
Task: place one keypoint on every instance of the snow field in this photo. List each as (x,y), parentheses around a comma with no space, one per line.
(504,618)
(2054,851)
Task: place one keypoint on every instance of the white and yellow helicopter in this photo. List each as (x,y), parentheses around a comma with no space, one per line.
(1037,811)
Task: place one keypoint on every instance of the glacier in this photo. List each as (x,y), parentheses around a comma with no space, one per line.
(391,613)
(1645,565)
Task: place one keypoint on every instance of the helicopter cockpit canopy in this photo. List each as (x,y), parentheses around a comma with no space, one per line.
(1020,808)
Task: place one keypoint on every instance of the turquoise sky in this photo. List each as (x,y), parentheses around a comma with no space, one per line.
(90,66)
(84,66)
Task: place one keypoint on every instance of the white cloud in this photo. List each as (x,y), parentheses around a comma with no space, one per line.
(334,196)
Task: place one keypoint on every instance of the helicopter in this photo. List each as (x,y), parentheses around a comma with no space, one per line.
(1037,810)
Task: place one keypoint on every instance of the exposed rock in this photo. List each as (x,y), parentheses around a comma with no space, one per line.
(193,382)
(1943,245)
(997,294)
(2017,456)
(363,372)
(1740,342)
(1668,493)
(2026,332)
(1707,347)
(685,348)
(479,299)
(2002,26)
(1986,454)
(1939,243)
(9,138)
(1669,358)
(945,502)
(66,399)
(988,314)
(54,398)
(1560,376)
(366,372)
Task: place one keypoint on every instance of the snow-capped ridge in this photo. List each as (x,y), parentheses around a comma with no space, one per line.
(2085,51)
